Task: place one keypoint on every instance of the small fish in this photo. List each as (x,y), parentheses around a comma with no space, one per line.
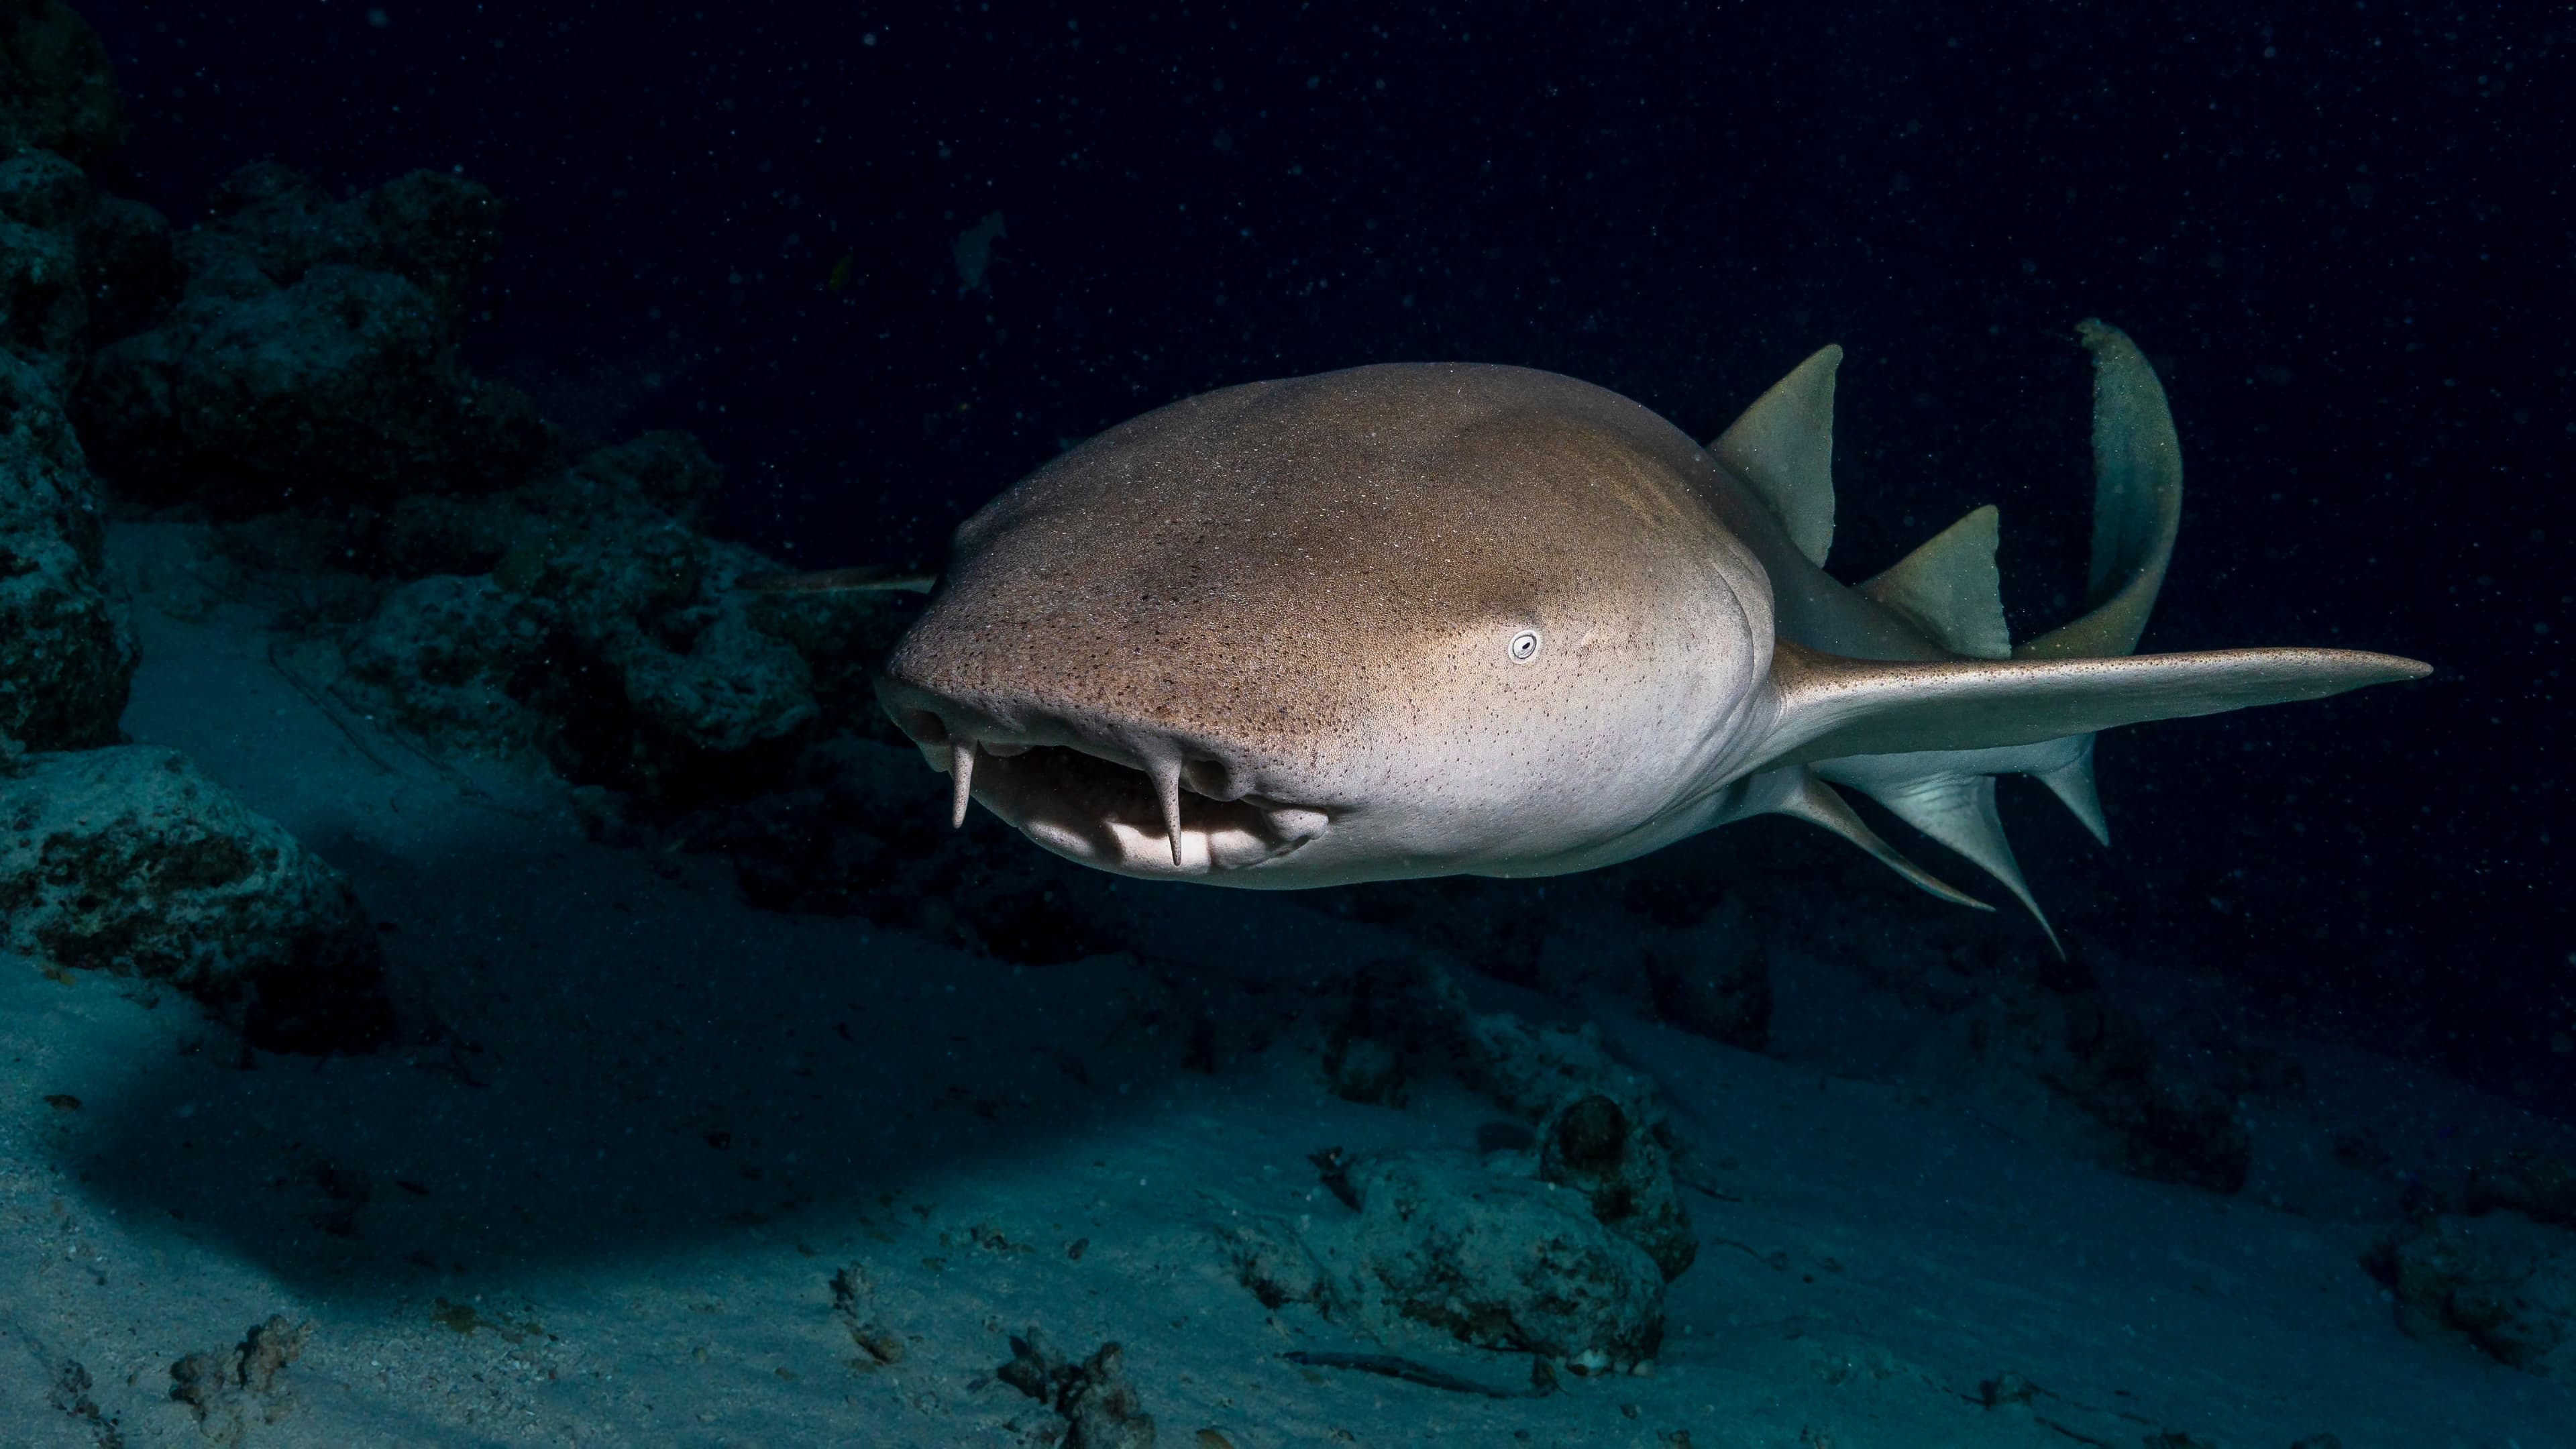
(842,271)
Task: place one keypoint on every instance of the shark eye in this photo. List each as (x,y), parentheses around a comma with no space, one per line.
(1525,646)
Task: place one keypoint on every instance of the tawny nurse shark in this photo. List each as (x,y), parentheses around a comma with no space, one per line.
(1435,619)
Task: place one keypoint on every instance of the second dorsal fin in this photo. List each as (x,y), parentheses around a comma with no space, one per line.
(1783,448)
(1949,589)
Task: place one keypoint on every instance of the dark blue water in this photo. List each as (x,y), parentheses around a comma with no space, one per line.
(2341,231)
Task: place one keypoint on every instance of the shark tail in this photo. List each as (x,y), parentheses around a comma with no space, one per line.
(1928,740)
(1951,590)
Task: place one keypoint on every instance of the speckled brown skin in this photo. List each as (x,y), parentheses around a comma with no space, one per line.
(1308,590)
(1286,613)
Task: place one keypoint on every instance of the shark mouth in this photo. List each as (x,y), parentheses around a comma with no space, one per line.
(1164,817)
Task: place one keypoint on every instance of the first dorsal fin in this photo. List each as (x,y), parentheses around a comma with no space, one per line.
(1950,590)
(1783,448)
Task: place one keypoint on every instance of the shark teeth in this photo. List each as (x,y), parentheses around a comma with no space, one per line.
(961,780)
(1167,791)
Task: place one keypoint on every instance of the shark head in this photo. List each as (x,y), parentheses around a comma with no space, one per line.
(1433,619)
(1395,621)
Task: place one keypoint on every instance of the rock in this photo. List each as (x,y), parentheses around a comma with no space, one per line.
(1529,1067)
(854,1299)
(43,190)
(1101,1409)
(1362,1068)
(2154,1122)
(313,349)
(451,533)
(228,1389)
(435,228)
(44,312)
(345,382)
(1270,1259)
(444,653)
(66,656)
(1498,1261)
(2539,1185)
(1713,979)
(1600,1128)
(611,531)
(2162,1126)
(66,652)
(271,226)
(734,687)
(128,268)
(663,677)
(56,93)
(583,616)
(667,471)
(1495,1260)
(2501,1282)
(76,267)
(842,637)
(1619,1155)
(2006,1388)
(69,1395)
(128,860)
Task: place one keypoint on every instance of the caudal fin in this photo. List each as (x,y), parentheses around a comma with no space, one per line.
(2137,502)
(1927,740)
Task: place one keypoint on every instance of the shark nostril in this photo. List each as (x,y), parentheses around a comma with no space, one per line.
(924,726)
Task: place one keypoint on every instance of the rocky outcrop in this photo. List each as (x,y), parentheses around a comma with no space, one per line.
(583,617)
(1492,1258)
(129,861)
(66,653)
(77,267)
(55,90)
(2500,1282)
(313,349)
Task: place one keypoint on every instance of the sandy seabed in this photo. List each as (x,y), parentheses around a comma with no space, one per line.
(606,1205)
